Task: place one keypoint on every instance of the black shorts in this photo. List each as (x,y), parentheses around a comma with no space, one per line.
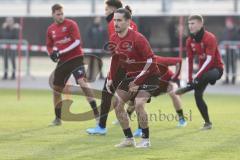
(64,70)
(153,85)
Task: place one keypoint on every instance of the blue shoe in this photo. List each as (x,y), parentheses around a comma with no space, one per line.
(182,123)
(97,130)
(138,133)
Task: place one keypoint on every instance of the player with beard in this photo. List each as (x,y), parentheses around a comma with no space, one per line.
(106,101)
(64,46)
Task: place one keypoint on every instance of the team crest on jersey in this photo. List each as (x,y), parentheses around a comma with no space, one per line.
(64,29)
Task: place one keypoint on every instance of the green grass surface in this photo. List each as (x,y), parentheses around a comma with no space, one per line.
(24,131)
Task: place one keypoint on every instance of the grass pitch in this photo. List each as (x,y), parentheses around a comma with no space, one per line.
(25,134)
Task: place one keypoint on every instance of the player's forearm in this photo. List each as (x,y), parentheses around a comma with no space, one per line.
(71,47)
(204,67)
(140,77)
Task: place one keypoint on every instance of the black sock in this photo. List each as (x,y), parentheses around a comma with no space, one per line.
(105,106)
(145,133)
(58,112)
(128,133)
(180,114)
(94,108)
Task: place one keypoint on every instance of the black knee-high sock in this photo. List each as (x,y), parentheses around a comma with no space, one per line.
(58,111)
(105,106)
(128,133)
(94,108)
(202,107)
(145,133)
(180,114)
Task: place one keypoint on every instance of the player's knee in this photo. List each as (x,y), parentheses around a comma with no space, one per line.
(115,102)
(131,106)
(118,109)
(171,94)
(171,89)
(82,82)
(57,89)
(139,104)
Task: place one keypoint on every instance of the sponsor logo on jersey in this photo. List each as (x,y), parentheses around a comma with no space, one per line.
(64,40)
(129,61)
(126,46)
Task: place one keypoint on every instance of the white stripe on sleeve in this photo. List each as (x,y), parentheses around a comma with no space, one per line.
(69,48)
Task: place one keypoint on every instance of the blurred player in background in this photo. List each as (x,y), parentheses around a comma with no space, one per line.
(9,31)
(64,46)
(203,44)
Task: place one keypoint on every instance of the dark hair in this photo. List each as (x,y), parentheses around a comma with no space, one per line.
(127,7)
(196,17)
(125,12)
(114,3)
(56,7)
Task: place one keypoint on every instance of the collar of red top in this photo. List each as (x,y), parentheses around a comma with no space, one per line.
(110,17)
(59,24)
(198,37)
(125,35)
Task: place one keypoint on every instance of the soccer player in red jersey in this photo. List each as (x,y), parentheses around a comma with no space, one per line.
(110,7)
(135,48)
(64,46)
(202,44)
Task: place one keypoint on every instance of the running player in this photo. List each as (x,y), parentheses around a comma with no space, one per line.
(64,46)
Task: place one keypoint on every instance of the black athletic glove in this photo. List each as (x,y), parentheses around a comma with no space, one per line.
(196,81)
(190,84)
(55,56)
